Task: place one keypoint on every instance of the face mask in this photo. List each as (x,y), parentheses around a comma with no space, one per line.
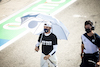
(88,30)
(46,30)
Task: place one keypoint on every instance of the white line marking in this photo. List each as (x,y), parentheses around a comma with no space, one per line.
(45,7)
(76,15)
(32,13)
(36,9)
(18,19)
(19,36)
(45,4)
(6,26)
(50,1)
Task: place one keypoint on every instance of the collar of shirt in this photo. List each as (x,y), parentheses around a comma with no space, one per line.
(47,34)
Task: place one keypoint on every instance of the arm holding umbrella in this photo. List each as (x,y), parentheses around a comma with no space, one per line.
(39,41)
(36,22)
(37,46)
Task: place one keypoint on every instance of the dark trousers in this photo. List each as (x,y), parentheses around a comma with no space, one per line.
(85,60)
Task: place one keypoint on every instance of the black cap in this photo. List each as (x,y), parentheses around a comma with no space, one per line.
(88,22)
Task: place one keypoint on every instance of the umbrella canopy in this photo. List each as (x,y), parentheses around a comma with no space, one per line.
(35,23)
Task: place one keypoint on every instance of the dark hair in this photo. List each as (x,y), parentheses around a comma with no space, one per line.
(88,22)
(45,24)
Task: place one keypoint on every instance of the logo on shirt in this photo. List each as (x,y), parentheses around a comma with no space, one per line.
(93,40)
(46,42)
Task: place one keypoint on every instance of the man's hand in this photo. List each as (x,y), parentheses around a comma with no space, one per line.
(82,55)
(36,49)
(46,57)
(98,63)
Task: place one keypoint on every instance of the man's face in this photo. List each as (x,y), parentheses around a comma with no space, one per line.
(88,26)
(48,28)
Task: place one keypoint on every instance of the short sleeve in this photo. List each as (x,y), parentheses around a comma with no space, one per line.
(39,38)
(55,40)
(82,42)
(81,39)
(98,41)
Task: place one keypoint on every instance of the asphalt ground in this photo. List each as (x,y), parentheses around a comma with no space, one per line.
(21,53)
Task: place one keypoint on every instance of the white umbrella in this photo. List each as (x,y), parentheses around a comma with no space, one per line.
(35,23)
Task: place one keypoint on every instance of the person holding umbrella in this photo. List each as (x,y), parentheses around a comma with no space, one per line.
(49,47)
(90,49)
(53,30)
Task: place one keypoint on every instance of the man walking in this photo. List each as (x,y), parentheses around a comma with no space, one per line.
(90,46)
(49,47)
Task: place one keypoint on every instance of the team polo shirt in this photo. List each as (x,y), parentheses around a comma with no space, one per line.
(91,44)
(47,43)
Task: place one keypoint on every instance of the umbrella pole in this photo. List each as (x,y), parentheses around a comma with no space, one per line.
(52,62)
(41,38)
